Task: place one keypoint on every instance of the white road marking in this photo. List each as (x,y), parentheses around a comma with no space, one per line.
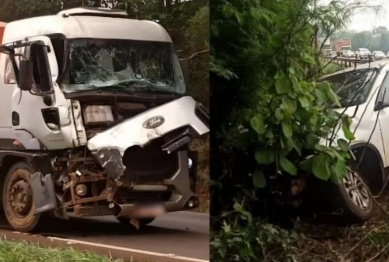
(143,252)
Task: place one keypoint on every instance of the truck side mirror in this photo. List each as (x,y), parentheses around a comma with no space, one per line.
(7,50)
(185,69)
(26,75)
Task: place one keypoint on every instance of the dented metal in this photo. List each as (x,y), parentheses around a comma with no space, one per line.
(109,146)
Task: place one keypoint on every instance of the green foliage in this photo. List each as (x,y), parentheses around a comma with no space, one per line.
(258,242)
(266,59)
(287,112)
(23,252)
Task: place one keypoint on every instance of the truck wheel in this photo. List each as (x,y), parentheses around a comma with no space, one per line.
(142,222)
(18,199)
(352,197)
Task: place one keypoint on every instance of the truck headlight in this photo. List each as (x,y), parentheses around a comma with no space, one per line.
(190,163)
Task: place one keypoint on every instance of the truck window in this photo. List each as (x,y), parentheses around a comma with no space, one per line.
(9,74)
(59,50)
(42,79)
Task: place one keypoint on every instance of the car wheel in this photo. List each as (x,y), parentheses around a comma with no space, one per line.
(351,197)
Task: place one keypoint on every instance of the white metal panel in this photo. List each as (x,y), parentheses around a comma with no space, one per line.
(178,113)
(86,27)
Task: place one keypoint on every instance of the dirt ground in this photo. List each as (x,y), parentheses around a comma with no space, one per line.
(367,242)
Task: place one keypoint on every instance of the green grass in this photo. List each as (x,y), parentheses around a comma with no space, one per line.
(331,68)
(12,251)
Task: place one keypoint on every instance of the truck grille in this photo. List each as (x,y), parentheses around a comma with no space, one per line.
(150,163)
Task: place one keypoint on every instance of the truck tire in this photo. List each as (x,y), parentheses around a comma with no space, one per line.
(351,197)
(142,222)
(18,201)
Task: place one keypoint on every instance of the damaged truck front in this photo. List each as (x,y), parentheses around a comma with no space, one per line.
(94,120)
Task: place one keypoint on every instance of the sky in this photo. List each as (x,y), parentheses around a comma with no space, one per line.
(366,20)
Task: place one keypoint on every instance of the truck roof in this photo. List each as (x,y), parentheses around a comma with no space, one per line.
(87,23)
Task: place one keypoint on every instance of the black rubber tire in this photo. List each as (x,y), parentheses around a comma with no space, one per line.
(142,222)
(339,199)
(29,222)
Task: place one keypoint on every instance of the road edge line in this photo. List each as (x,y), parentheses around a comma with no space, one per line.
(131,250)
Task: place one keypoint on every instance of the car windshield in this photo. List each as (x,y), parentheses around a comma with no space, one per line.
(353,87)
(123,65)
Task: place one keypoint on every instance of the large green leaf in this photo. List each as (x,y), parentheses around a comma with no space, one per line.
(320,95)
(283,84)
(343,144)
(287,129)
(263,156)
(288,166)
(258,124)
(306,164)
(304,102)
(311,139)
(347,133)
(279,115)
(338,170)
(320,166)
(290,104)
(259,179)
(333,97)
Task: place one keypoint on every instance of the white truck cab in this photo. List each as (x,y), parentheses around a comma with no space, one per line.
(94,119)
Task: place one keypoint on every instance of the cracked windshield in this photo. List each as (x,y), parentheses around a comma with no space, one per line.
(125,66)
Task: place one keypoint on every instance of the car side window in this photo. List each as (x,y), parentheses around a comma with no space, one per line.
(383,95)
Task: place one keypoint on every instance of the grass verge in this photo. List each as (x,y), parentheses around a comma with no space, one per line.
(12,251)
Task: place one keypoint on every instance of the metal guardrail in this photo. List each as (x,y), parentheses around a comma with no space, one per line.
(347,62)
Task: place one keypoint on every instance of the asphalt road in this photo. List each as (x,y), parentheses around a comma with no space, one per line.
(181,233)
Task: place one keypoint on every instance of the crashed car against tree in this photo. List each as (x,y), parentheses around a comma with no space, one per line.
(364,96)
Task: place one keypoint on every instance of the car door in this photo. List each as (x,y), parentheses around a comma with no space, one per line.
(381,109)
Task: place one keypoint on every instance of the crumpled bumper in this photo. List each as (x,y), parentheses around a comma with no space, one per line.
(182,114)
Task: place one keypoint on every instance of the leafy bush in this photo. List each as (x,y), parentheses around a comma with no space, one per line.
(275,113)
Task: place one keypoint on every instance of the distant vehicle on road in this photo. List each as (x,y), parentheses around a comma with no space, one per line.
(379,55)
(363,53)
(348,53)
(341,45)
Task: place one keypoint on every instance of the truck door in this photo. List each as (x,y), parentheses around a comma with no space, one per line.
(34,114)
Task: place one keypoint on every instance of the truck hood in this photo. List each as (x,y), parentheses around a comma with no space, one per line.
(184,115)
